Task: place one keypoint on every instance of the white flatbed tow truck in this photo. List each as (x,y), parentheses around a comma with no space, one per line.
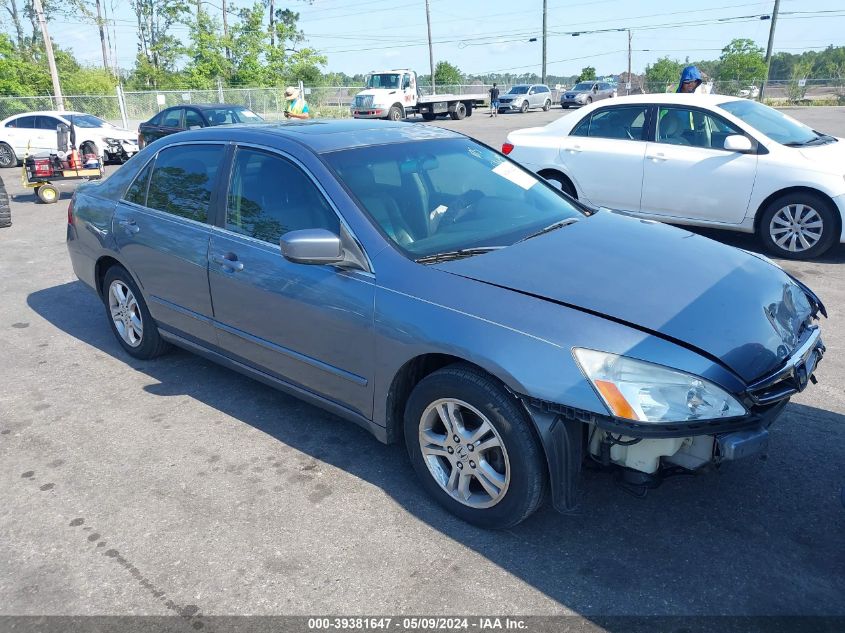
(394,95)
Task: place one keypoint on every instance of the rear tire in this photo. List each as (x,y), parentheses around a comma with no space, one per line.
(799,225)
(459,112)
(7,156)
(564,106)
(502,476)
(547,106)
(48,194)
(130,320)
(5,209)
(429,116)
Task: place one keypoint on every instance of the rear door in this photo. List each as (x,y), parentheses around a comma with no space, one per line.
(688,173)
(48,136)
(162,231)
(604,155)
(309,325)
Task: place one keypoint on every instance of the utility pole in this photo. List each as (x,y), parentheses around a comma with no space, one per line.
(430,50)
(102,35)
(225,30)
(51,60)
(630,82)
(770,47)
(543,80)
(272,24)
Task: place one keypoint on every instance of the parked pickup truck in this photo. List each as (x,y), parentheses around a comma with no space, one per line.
(394,94)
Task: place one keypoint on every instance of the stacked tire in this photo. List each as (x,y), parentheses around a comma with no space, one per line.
(5,209)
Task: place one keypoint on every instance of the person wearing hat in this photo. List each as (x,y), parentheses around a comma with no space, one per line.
(295,106)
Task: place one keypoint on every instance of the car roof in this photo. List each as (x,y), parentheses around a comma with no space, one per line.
(322,136)
(61,113)
(207,106)
(674,98)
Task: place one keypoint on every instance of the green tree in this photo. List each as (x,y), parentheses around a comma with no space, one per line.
(662,73)
(207,53)
(446,74)
(587,74)
(742,63)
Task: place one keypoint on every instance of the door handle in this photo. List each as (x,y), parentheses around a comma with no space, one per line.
(129,226)
(660,156)
(574,149)
(228,261)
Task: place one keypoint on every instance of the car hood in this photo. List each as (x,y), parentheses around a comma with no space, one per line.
(724,303)
(831,156)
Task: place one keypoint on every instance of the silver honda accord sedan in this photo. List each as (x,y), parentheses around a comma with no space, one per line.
(429,289)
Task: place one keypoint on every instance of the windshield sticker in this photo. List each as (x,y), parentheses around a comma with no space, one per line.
(515,175)
(474,152)
(440,210)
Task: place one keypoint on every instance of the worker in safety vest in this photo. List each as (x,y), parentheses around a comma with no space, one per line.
(295,106)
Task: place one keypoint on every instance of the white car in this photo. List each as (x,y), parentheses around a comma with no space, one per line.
(37,132)
(703,160)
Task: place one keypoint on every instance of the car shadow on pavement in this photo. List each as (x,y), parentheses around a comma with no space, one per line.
(754,537)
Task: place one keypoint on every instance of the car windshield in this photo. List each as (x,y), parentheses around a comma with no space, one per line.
(583,86)
(383,80)
(232,114)
(776,125)
(518,90)
(87,120)
(438,196)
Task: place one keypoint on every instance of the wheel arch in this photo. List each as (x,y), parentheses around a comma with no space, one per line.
(758,215)
(102,266)
(551,171)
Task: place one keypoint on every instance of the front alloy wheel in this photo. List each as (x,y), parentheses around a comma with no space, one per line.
(473,447)
(798,226)
(464,453)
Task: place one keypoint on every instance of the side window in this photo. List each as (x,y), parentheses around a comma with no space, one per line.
(137,191)
(156,120)
(683,126)
(193,120)
(48,123)
(28,122)
(624,123)
(182,180)
(269,196)
(12,123)
(173,118)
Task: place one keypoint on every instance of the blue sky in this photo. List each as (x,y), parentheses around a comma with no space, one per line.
(492,35)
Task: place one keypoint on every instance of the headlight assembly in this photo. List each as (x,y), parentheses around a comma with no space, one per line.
(645,392)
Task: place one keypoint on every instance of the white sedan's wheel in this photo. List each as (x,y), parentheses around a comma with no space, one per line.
(799,225)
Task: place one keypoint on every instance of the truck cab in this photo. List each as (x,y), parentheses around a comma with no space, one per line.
(389,94)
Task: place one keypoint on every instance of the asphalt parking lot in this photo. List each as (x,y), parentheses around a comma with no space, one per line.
(179,487)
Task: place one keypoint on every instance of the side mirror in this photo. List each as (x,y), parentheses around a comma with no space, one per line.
(738,143)
(312,246)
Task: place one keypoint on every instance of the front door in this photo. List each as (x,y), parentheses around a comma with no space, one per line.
(689,174)
(604,156)
(309,325)
(162,232)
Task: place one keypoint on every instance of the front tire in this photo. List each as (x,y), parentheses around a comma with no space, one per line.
(7,156)
(395,114)
(130,320)
(589,100)
(473,448)
(547,106)
(524,107)
(798,225)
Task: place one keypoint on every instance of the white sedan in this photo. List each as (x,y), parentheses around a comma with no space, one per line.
(35,132)
(703,160)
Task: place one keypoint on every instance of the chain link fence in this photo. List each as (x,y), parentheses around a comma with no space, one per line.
(334,101)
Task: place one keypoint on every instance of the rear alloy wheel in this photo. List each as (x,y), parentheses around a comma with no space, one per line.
(7,156)
(395,114)
(130,320)
(547,106)
(524,107)
(48,194)
(798,226)
(473,448)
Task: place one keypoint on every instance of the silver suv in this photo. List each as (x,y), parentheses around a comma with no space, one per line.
(585,92)
(525,96)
